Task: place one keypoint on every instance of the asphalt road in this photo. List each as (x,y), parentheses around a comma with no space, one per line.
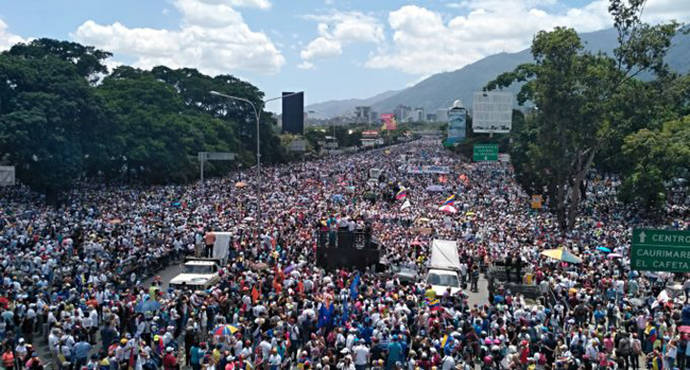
(166,275)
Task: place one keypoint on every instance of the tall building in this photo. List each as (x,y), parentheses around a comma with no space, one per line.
(419,115)
(363,114)
(442,114)
(402,113)
(293,113)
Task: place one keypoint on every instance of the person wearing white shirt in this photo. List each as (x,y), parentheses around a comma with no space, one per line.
(361,353)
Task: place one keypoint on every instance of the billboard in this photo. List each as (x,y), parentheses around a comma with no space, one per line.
(7,175)
(388,120)
(492,112)
(457,123)
(293,113)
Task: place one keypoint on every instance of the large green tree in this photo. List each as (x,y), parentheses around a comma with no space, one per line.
(656,159)
(577,98)
(47,114)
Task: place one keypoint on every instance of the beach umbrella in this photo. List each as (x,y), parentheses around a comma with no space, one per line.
(448,209)
(225,330)
(561,254)
(684,329)
(614,255)
(147,305)
(604,249)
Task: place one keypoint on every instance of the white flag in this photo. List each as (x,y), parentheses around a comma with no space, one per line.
(405,205)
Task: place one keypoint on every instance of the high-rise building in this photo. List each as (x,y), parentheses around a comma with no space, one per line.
(363,114)
(293,113)
(419,115)
(442,114)
(402,113)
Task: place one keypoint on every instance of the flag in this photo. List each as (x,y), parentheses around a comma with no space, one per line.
(444,341)
(324,316)
(434,304)
(346,314)
(354,287)
(450,200)
(405,205)
(402,194)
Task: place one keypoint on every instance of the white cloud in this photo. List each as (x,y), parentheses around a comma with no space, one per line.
(260,4)
(8,39)
(321,47)
(305,65)
(425,42)
(339,29)
(212,37)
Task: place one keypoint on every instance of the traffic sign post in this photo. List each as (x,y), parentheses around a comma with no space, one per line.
(660,250)
(485,152)
(212,156)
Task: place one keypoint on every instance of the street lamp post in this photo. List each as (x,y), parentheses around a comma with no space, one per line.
(257,116)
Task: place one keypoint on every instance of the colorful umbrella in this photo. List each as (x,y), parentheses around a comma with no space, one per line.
(562,254)
(604,249)
(225,330)
(448,209)
(684,329)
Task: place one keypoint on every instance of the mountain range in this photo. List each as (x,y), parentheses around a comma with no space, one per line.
(441,89)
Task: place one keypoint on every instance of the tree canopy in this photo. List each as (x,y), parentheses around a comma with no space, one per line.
(586,104)
(63,118)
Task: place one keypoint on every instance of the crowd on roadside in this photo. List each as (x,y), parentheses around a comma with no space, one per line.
(78,272)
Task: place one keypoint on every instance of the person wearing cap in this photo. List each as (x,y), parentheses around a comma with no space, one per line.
(169,360)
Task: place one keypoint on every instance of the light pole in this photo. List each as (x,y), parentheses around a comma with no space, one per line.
(257,116)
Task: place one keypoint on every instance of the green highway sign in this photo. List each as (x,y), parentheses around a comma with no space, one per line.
(660,250)
(485,152)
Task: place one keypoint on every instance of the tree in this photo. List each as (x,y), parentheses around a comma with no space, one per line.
(576,94)
(47,113)
(87,59)
(156,136)
(655,158)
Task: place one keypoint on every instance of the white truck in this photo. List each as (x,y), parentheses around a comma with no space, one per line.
(443,267)
(197,274)
(200,273)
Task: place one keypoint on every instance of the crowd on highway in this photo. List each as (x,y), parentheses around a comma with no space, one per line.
(73,276)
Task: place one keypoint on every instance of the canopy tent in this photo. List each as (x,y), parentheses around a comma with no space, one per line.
(561,254)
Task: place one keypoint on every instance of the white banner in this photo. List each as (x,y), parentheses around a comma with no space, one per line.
(492,111)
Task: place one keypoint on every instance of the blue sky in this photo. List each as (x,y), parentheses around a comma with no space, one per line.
(331,49)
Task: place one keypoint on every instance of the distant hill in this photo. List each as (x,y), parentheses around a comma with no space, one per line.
(441,89)
(333,108)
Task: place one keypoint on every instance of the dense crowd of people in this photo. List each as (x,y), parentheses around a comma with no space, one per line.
(73,276)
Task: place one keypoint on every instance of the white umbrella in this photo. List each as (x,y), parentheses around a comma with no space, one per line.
(448,209)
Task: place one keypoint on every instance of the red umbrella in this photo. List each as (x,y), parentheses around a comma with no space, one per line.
(684,329)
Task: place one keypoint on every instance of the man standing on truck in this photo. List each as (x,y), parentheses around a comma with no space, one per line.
(209,240)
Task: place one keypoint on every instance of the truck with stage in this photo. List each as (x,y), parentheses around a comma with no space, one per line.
(444,267)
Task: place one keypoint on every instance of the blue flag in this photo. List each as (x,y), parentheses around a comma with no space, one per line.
(346,314)
(354,287)
(324,317)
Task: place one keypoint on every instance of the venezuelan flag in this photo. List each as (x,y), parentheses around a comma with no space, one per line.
(450,200)
(434,304)
(401,194)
